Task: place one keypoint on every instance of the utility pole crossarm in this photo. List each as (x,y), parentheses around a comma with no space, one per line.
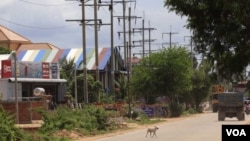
(127,17)
(170,37)
(133,46)
(145,28)
(85,82)
(146,40)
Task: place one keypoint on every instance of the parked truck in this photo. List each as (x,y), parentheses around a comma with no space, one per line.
(231,104)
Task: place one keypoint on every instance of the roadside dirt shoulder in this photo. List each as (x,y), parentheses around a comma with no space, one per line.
(131,127)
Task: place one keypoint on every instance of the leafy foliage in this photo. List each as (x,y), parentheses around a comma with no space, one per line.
(176,109)
(201,85)
(8,130)
(4,50)
(121,84)
(220,31)
(166,73)
(68,70)
(89,120)
(94,88)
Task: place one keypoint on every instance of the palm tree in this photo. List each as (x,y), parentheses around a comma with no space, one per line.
(67,71)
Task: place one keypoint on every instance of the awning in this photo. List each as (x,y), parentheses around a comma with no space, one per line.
(38,80)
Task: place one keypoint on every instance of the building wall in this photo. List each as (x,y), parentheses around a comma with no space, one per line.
(26,110)
(7,90)
(3,89)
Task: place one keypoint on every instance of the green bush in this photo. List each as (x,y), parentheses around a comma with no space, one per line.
(189,111)
(8,130)
(89,120)
(176,109)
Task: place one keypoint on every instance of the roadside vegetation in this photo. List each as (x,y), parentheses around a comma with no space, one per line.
(168,73)
(61,123)
(173,72)
(8,130)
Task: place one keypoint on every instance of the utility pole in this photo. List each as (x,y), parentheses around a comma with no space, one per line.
(129,68)
(143,37)
(85,82)
(96,40)
(143,41)
(14,56)
(149,37)
(110,5)
(170,37)
(85,22)
(112,49)
(191,46)
(124,29)
(127,57)
(75,79)
(123,17)
(130,58)
(146,52)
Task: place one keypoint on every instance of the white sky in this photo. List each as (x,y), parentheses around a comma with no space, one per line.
(44,21)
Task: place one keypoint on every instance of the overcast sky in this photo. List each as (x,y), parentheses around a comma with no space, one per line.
(44,21)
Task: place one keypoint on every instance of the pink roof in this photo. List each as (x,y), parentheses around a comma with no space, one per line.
(10,36)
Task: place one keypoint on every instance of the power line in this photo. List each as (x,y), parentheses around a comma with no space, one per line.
(45,4)
(35,27)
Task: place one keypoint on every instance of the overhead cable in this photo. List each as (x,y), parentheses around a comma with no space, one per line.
(35,27)
(40,4)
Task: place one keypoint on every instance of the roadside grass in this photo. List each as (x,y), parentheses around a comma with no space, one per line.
(143,119)
(63,124)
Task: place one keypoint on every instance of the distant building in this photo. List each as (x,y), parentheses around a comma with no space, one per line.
(37,66)
(31,57)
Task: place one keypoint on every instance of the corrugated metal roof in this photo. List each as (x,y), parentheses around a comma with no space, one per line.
(46,55)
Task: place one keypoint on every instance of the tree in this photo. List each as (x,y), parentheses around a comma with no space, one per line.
(4,50)
(220,31)
(121,88)
(8,128)
(201,85)
(94,88)
(165,73)
(67,72)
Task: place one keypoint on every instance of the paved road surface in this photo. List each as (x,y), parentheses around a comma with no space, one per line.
(203,127)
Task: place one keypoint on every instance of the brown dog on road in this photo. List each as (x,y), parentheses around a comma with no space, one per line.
(152,131)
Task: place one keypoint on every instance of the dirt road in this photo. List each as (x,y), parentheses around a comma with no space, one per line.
(204,127)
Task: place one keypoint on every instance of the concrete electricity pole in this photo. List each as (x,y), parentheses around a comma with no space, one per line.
(170,37)
(191,46)
(83,22)
(85,82)
(143,37)
(112,49)
(96,39)
(124,17)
